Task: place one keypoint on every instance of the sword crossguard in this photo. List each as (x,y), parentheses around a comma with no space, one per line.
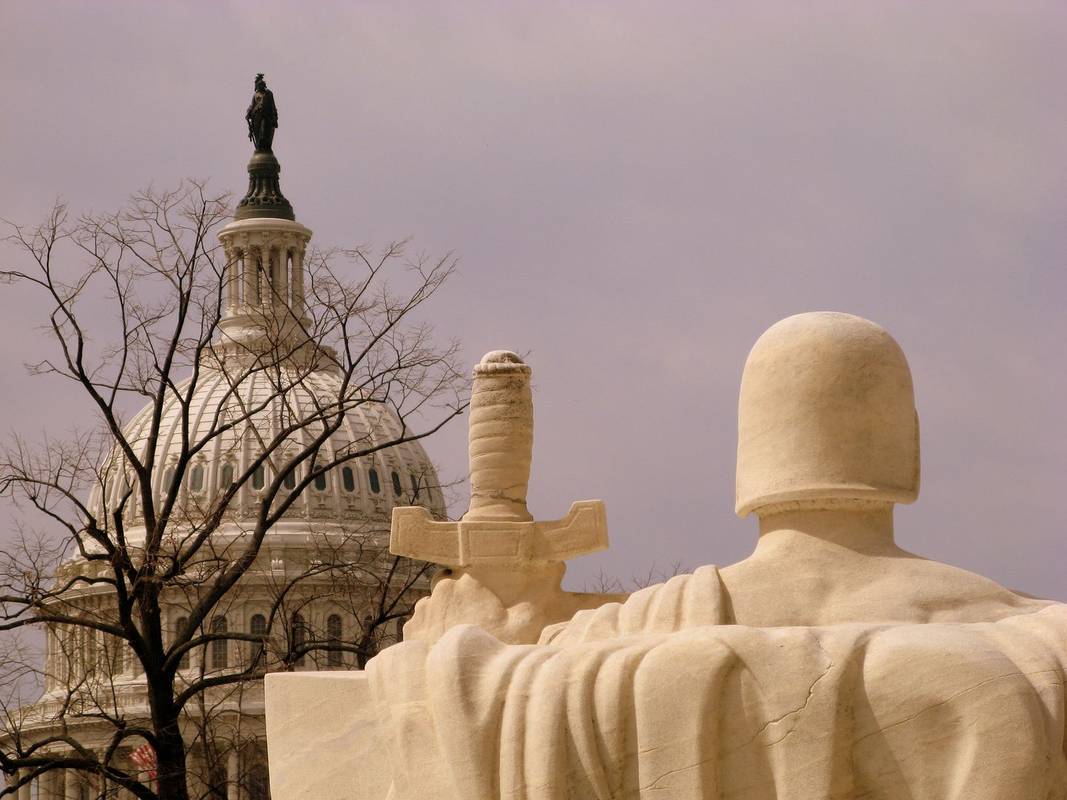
(472,543)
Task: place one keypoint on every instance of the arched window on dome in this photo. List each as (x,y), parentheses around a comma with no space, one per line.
(397,488)
(259,477)
(168,478)
(375,484)
(416,486)
(226,476)
(334,655)
(196,478)
(183,662)
(258,627)
(289,481)
(299,637)
(220,648)
(320,482)
(348,479)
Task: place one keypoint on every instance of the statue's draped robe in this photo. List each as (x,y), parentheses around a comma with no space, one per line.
(658,698)
(262,116)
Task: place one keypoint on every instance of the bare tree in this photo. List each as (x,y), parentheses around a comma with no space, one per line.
(119,524)
(603,583)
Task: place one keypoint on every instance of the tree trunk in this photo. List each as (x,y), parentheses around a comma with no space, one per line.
(170,753)
(172,781)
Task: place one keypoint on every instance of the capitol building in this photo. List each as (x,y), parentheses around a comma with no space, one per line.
(293,594)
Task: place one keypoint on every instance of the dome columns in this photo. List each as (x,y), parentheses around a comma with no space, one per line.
(264,279)
(265,265)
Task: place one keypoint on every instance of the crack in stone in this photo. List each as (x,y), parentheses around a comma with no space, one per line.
(798,710)
(653,786)
(979,685)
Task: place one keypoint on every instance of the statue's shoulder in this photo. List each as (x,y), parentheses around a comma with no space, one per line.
(947,593)
(684,601)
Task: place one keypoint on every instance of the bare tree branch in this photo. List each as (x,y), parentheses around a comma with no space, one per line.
(145,538)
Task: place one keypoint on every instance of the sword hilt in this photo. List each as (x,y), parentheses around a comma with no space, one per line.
(500,438)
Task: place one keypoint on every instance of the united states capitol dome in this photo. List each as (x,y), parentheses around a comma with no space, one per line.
(362,491)
(261,379)
(272,473)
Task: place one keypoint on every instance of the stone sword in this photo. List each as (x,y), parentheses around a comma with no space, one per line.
(498,531)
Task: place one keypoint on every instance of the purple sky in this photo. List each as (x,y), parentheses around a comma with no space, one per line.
(636,191)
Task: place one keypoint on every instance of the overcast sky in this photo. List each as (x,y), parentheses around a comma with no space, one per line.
(636,192)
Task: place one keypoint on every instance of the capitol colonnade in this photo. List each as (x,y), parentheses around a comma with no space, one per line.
(244,777)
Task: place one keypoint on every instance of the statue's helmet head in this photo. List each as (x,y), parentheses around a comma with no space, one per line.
(260,83)
(826,416)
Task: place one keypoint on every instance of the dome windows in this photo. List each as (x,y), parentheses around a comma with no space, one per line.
(375,484)
(397,488)
(333,639)
(220,648)
(299,638)
(183,661)
(168,479)
(196,478)
(239,419)
(258,627)
(320,482)
(289,481)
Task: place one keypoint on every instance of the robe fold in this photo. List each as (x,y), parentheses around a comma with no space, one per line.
(658,698)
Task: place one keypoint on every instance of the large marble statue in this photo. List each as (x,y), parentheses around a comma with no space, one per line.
(830,664)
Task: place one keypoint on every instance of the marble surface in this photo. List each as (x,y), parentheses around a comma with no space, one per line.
(829,664)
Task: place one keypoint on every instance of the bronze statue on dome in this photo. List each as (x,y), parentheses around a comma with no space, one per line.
(264,198)
(262,116)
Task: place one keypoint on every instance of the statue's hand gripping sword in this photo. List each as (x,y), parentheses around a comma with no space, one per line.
(498,534)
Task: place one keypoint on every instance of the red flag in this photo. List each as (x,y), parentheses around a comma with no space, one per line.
(145,757)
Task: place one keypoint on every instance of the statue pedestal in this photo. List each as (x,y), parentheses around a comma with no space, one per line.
(264,197)
(321,742)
